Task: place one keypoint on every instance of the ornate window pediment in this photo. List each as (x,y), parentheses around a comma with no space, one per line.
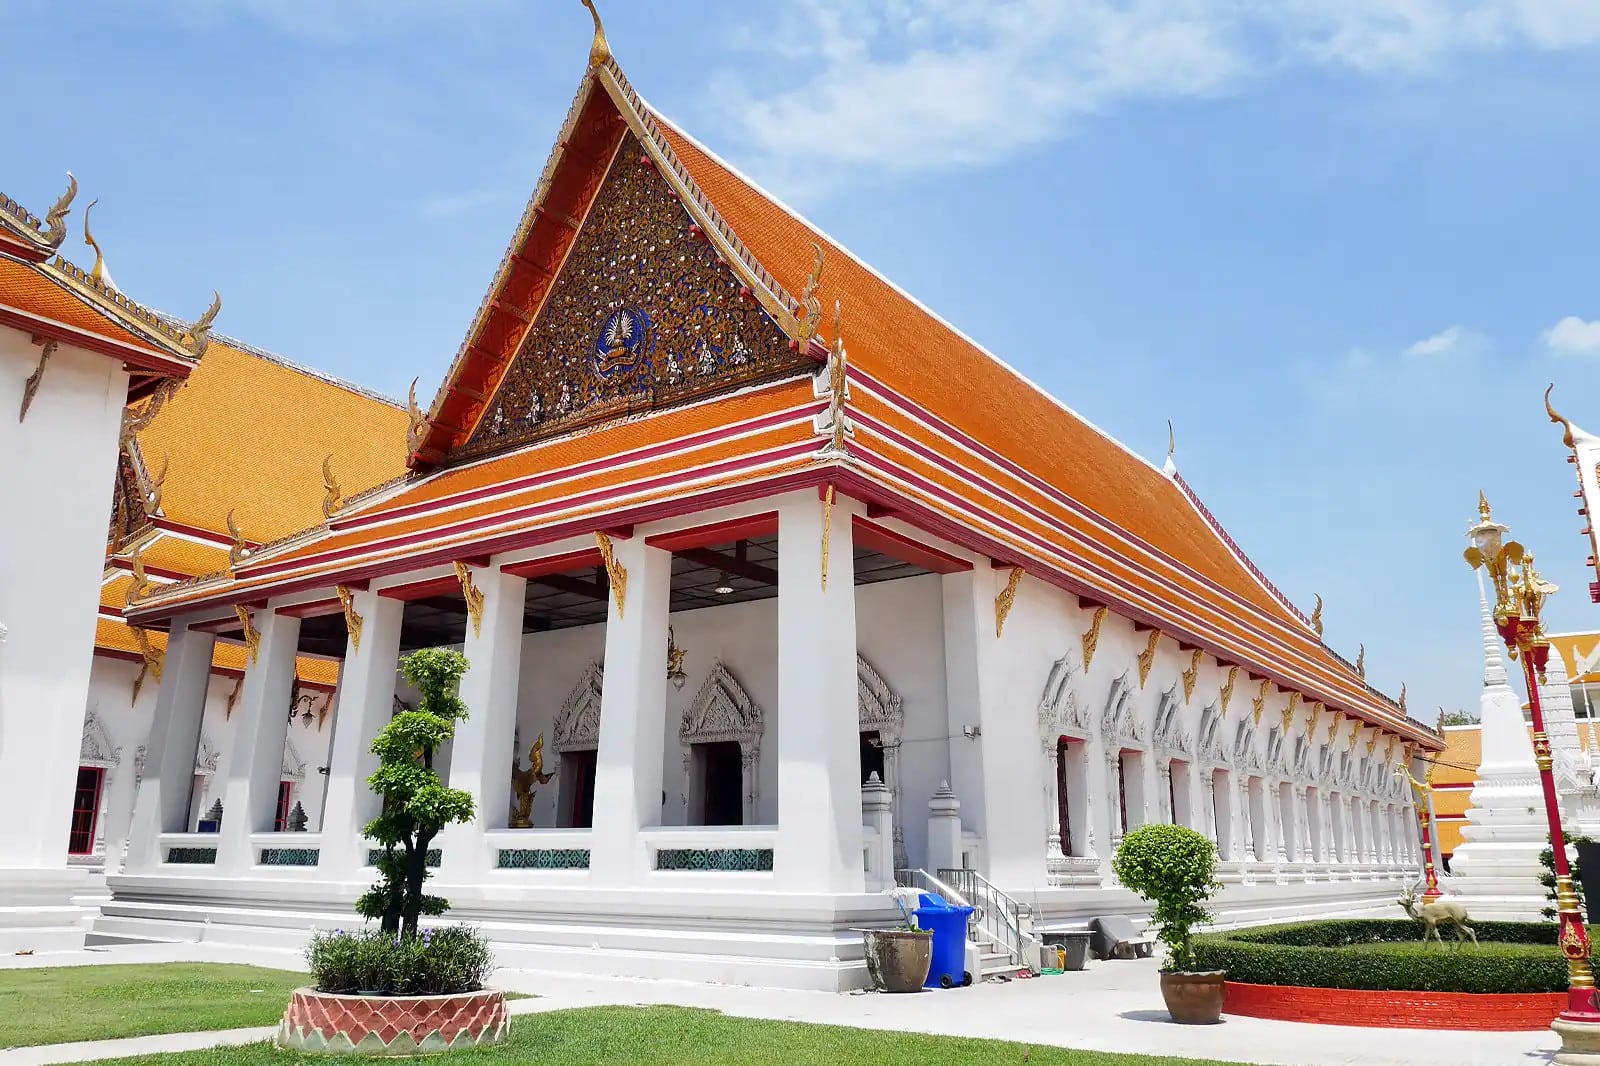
(1212,742)
(205,756)
(723,711)
(96,748)
(1119,722)
(1060,710)
(294,767)
(577,724)
(1169,733)
(878,707)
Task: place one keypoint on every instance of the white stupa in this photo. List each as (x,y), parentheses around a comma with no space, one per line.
(1497,869)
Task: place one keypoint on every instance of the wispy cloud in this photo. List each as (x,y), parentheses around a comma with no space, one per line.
(1453,341)
(1572,336)
(903,87)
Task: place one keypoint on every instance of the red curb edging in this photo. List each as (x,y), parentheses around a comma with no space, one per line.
(1486,1011)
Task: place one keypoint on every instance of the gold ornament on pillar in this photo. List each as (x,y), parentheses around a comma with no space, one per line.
(827,531)
(1333,726)
(1288,712)
(1191,675)
(1258,702)
(1227,689)
(1355,731)
(1147,658)
(1091,636)
(1372,741)
(252,635)
(233,697)
(331,495)
(615,572)
(31,387)
(473,595)
(675,655)
(352,620)
(154,660)
(1006,600)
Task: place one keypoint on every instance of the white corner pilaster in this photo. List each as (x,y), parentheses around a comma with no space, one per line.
(819,762)
(481,752)
(633,717)
(161,800)
(255,758)
(366,703)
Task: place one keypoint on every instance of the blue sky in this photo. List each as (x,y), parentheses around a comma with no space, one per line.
(1342,244)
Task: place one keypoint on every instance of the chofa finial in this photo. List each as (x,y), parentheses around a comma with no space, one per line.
(600,50)
(55,227)
(1316,616)
(99,273)
(419,422)
(1566,427)
(197,336)
(1361,662)
(1172,442)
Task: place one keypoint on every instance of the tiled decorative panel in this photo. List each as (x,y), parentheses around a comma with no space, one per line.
(544,859)
(289,856)
(722,859)
(321,1023)
(431,860)
(192,856)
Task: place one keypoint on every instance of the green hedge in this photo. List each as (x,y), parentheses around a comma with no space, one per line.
(1514,957)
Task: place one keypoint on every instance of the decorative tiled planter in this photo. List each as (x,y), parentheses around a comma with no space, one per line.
(328,1024)
(1484,1011)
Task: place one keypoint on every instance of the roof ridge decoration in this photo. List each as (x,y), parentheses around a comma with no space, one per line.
(98,273)
(49,234)
(436,436)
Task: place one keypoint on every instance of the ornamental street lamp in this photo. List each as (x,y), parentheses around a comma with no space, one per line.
(1519,598)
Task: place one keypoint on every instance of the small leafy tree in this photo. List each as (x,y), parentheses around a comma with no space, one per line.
(1547,877)
(416,803)
(1173,867)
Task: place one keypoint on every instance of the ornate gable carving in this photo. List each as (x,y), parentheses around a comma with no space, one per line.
(1060,711)
(1119,722)
(1212,743)
(96,748)
(1169,734)
(722,710)
(205,756)
(879,707)
(294,767)
(577,725)
(643,315)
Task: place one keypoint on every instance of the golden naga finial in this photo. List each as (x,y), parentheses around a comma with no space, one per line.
(600,50)
(140,586)
(98,273)
(238,549)
(1361,662)
(1566,427)
(152,500)
(197,336)
(1316,617)
(418,421)
(331,498)
(1402,700)
(810,303)
(55,228)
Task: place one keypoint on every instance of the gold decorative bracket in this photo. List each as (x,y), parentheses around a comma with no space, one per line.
(252,635)
(1333,726)
(1288,712)
(140,588)
(1091,636)
(154,661)
(1227,689)
(1355,731)
(332,497)
(233,697)
(473,595)
(31,387)
(827,531)
(1147,658)
(615,572)
(352,620)
(1372,741)
(1258,702)
(1191,675)
(1006,600)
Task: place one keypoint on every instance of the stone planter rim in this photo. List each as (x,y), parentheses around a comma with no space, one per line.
(313,990)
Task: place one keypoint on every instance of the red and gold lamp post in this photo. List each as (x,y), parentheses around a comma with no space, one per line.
(1425,823)
(1519,598)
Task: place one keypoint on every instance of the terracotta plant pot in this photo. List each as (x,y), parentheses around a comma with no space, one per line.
(898,959)
(1193,998)
(323,1023)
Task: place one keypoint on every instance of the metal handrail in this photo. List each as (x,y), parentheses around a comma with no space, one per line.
(926,882)
(996,916)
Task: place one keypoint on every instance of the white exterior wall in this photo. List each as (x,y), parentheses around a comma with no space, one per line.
(57,484)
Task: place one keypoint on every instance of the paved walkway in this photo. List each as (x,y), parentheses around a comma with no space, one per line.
(1114,1006)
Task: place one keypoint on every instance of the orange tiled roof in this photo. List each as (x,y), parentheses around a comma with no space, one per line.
(1580,653)
(248,433)
(114,636)
(29,288)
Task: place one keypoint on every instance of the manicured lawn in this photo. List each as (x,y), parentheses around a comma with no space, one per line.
(64,1003)
(662,1036)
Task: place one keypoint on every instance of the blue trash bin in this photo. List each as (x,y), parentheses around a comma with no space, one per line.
(948,923)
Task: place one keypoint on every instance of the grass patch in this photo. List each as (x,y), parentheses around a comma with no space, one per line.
(64,1003)
(664,1036)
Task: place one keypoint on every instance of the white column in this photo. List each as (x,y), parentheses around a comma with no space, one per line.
(1203,781)
(633,716)
(1114,790)
(1164,792)
(1097,812)
(161,802)
(819,775)
(260,728)
(366,702)
(481,752)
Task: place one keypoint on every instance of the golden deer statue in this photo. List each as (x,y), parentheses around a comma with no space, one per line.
(1431,915)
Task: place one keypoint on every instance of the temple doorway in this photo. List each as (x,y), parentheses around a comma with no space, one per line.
(718,771)
(577,792)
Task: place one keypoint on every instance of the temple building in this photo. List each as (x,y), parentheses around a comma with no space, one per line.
(776,590)
(73,353)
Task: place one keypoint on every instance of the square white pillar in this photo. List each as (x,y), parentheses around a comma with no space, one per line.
(366,703)
(481,753)
(633,717)
(161,802)
(819,751)
(255,761)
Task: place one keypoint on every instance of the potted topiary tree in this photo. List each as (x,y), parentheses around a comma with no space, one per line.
(395,990)
(1174,867)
